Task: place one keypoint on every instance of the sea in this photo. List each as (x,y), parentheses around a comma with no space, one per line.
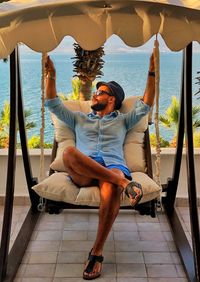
(128,69)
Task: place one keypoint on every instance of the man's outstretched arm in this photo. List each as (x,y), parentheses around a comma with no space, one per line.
(50,79)
(149,93)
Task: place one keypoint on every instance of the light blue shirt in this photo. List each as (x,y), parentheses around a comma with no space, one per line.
(100,136)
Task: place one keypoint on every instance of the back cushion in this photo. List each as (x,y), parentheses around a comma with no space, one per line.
(133,145)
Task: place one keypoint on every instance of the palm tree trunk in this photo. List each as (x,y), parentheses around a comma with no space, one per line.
(85,93)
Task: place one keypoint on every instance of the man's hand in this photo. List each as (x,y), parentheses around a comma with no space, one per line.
(50,79)
(149,93)
(49,67)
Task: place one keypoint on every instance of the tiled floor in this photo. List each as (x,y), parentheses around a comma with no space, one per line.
(139,248)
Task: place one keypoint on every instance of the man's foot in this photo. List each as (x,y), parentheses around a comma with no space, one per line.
(93,267)
(134,191)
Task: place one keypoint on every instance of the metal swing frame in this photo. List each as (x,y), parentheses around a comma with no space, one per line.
(9,262)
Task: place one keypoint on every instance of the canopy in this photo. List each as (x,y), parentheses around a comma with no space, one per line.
(42,24)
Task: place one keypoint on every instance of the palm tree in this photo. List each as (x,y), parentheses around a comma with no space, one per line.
(5,120)
(171,117)
(87,66)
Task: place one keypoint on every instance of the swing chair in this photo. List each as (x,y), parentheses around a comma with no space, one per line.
(58,192)
(41,24)
(64,194)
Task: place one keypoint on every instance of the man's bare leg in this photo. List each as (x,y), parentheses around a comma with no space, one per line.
(108,211)
(83,169)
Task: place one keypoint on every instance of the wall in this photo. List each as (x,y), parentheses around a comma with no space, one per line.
(167,161)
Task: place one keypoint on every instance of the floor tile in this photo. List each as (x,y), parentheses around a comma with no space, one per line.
(50,235)
(46,217)
(157,236)
(74,218)
(172,246)
(125,226)
(91,236)
(164,226)
(74,235)
(146,218)
(71,279)
(126,217)
(180,271)
(42,257)
(21,270)
(38,279)
(109,270)
(39,270)
(68,245)
(161,270)
(148,246)
(69,270)
(132,279)
(168,236)
(41,226)
(71,257)
(175,258)
(131,270)
(126,236)
(167,279)
(76,226)
(150,257)
(148,226)
(129,257)
(43,246)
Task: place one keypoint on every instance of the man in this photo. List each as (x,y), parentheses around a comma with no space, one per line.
(98,155)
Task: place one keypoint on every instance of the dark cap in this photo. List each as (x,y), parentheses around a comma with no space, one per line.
(116,91)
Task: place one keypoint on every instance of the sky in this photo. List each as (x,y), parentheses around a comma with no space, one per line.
(115,45)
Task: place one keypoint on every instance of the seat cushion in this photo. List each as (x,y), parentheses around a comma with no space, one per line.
(59,187)
(133,144)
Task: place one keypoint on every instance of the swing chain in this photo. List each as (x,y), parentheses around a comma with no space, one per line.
(41,205)
(159,206)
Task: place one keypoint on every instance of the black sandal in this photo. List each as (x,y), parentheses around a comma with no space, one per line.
(129,191)
(92,260)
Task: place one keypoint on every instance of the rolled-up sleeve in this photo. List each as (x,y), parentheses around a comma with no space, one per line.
(56,107)
(140,110)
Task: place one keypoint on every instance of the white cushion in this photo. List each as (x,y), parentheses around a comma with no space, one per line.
(133,144)
(59,187)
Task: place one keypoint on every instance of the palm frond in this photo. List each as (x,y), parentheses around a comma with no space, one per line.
(88,63)
(30,125)
(195,110)
(196,123)
(165,121)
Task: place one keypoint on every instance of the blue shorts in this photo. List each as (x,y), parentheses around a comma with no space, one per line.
(123,168)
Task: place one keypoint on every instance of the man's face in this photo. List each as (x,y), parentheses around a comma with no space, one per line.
(100,98)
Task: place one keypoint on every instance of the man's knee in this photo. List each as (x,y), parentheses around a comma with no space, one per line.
(69,155)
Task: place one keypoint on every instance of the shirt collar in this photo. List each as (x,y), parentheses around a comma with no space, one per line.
(112,114)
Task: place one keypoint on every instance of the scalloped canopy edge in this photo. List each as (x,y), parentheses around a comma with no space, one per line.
(42,24)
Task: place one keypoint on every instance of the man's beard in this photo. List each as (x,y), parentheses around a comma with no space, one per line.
(98,107)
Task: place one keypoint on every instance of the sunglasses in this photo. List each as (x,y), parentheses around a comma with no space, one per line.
(101,92)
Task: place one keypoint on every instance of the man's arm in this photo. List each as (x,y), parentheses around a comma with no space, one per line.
(149,93)
(55,105)
(50,79)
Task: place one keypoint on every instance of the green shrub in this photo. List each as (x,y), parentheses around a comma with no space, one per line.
(4,142)
(34,143)
(163,143)
(196,139)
